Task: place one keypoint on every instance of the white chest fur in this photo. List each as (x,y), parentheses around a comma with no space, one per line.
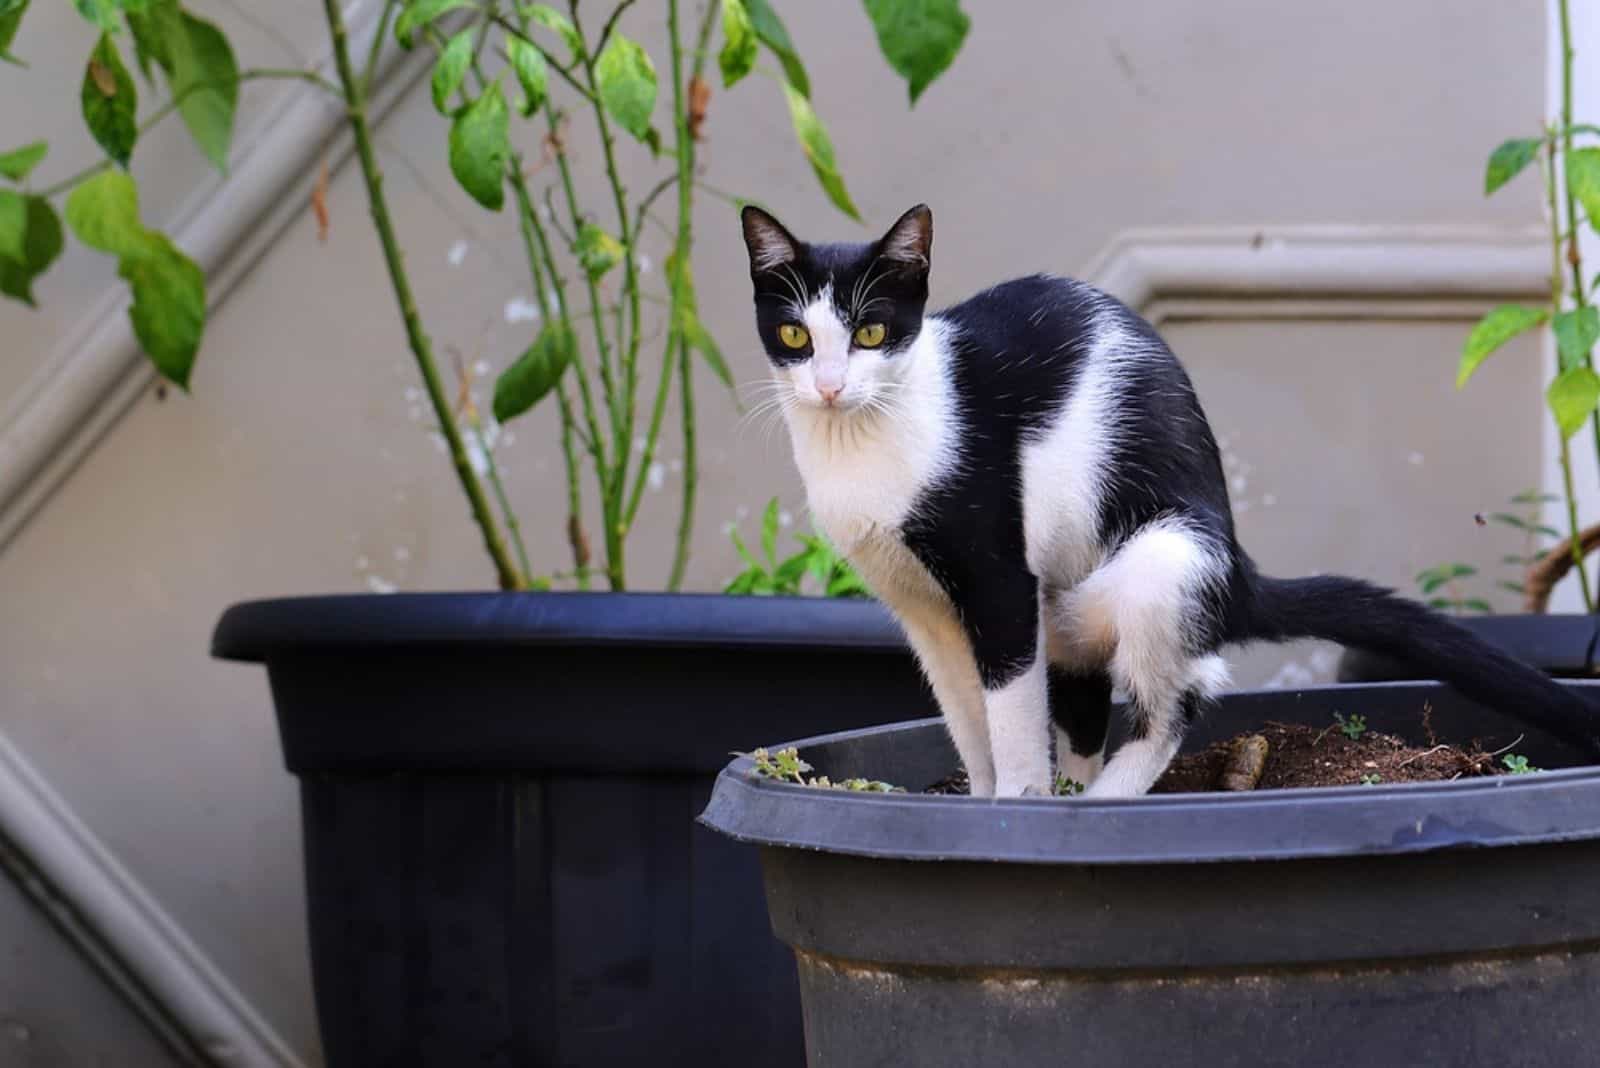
(865,469)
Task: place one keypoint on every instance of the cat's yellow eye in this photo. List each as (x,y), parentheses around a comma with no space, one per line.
(793,336)
(871,335)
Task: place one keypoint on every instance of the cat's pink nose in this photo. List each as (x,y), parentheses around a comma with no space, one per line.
(829,395)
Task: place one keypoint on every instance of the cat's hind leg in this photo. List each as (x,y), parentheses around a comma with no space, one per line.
(1150,601)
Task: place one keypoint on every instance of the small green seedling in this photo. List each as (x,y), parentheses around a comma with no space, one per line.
(1065,787)
(1371,779)
(1352,727)
(816,560)
(785,765)
(1517,764)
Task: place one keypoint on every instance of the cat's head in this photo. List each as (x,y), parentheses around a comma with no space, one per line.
(837,320)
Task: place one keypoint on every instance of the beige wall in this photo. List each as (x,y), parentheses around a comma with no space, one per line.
(299,465)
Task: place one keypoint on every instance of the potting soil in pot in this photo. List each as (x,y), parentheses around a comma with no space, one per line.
(1282,755)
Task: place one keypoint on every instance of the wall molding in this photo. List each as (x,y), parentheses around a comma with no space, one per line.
(81,392)
(1246,272)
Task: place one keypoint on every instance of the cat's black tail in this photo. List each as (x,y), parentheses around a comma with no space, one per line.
(1364,616)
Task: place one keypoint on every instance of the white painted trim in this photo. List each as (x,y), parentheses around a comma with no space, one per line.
(1390,265)
(214,1014)
(81,392)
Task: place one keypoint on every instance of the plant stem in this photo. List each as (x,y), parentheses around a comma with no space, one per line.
(628,365)
(1572,522)
(253,74)
(370,71)
(1574,258)
(685,153)
(533,241)
(421,346)
(506,510)
(614,476)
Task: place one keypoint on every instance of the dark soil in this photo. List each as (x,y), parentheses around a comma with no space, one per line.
(1301,756)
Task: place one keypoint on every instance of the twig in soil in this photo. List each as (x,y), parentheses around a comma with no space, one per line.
(1508,748)
(1419,756)
(1247,759)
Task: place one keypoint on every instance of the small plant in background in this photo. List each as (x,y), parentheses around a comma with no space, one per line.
(1517,764)
(816,560)
(1442,584)
(1352,727)
(496,62)
(1571,179)
(1371,778)
(1065,787)
(1445,578)
(785,765)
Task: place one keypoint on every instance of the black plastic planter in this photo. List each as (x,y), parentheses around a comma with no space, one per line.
(498,795)
(1431,924)
(1559,645)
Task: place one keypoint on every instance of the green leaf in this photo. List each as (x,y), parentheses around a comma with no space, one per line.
(770,30)
(13,224)
(1514,587)
(1534,496)
(451,70)
(846,583)
(418,14)
(169,307)
(1583,178)
(20,162)
(205,81)
(1493,330)
(789,573)
(151,32)
(1507,161)
(110,101)
(1576,332)
(40,247)
(700,339)
(597,250)
(551,19)
(738,545)
(739,43)
(1572,397)
(529,65)
(626,82)
(103,13)
(769,533)
(10,22)
(813,137)
(1476,604)
(169,289)
(536,372)
(919,38)
(480,145)
(104,212)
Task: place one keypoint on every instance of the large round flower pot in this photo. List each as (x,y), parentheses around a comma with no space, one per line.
(1559,645)
(1432,924)
(498,795)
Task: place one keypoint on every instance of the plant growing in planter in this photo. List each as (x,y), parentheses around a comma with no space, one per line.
(1569,162)
(1436,923)
(482,785)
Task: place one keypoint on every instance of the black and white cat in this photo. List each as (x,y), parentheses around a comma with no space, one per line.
(1027,480)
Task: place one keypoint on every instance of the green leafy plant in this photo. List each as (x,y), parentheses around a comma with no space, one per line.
(785,765)
(498,65)
(1371,778)
(816,560)
(1065,787)
(1517,764)
(1352,727)
(1571,180)
(1443,584)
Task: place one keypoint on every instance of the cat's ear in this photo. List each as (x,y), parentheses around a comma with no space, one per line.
(910,240)
(770,245)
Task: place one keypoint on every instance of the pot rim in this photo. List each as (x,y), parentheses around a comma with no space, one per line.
(1339,821)
(265,630)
